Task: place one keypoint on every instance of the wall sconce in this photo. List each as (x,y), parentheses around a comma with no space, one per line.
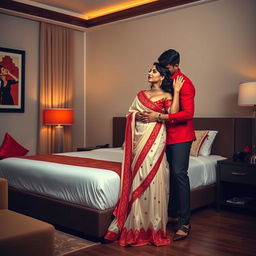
(58,117)
(247,97)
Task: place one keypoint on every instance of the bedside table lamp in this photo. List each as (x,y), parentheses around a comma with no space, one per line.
(58,117)
(247,97)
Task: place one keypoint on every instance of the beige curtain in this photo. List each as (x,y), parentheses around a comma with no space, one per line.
(56,47)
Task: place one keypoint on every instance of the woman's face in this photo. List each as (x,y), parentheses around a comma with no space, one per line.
(3,71)
(154,76)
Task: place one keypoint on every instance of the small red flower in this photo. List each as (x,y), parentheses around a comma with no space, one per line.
(246,149)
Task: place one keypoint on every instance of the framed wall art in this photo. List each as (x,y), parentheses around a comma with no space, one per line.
(12,80)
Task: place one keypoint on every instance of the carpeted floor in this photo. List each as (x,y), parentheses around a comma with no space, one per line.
(66,243)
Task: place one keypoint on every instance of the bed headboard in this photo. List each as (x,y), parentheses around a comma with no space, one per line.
(233,133)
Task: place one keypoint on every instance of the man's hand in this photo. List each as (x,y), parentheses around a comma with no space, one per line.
(148,117)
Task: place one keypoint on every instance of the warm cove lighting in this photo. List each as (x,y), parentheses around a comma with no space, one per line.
(58,116)
(116,8)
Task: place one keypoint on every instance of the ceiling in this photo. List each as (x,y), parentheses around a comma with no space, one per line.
(89,13)
(81,6)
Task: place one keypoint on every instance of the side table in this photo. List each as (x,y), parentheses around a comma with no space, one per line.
(236,185)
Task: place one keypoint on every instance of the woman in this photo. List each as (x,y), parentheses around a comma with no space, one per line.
(141,212)
(5,86)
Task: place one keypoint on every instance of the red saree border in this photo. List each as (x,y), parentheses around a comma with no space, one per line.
(120,211)
(148,103)
(111,236)
(146,148)
(142,237)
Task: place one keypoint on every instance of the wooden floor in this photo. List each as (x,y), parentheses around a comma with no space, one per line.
(223,233)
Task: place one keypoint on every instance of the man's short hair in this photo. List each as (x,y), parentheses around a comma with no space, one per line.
(169,57)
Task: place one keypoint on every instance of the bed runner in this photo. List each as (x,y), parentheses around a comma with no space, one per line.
(78,161)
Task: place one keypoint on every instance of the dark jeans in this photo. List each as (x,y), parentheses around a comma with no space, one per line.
(179,203)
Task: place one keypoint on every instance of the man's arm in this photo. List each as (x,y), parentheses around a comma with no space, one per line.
(187,106)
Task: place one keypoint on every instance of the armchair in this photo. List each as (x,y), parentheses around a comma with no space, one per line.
(3,194)
(21,235)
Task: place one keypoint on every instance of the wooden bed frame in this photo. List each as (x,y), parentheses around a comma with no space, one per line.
(234,133)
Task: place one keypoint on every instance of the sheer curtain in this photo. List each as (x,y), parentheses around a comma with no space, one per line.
(56,47)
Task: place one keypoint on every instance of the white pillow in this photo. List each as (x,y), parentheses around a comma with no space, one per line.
(205,149)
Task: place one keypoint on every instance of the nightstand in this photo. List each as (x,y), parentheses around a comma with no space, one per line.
(236,185)
(92,148)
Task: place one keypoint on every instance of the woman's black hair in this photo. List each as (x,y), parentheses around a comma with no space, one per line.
(167,83)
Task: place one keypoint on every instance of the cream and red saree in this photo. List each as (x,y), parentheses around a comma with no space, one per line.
(141,213)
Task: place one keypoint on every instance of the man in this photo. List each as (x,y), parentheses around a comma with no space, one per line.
(180,135)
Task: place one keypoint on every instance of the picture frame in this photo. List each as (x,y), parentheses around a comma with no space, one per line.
(12,80)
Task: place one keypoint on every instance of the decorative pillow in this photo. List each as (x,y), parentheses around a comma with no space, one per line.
(11,148)
(207,145)
(201,135)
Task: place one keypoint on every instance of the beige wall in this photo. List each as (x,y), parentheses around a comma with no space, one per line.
(23,34)
(217,44)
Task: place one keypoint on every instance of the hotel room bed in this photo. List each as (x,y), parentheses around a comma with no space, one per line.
(91,187)
(83,200)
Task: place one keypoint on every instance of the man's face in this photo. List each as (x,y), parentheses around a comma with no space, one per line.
(172,68)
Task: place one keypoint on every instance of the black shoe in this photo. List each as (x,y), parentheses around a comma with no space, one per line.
(186,230)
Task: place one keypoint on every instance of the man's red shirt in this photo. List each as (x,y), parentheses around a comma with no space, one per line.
(180,126)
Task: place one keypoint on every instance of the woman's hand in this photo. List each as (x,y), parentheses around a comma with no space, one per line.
(148,117)
(138,116)
(177,83)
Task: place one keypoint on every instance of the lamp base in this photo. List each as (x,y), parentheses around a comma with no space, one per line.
(59,139)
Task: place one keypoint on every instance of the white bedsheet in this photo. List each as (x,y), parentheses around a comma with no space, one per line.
(202,170)
(94,188)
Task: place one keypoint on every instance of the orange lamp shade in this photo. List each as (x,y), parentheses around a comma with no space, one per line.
(58,116)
